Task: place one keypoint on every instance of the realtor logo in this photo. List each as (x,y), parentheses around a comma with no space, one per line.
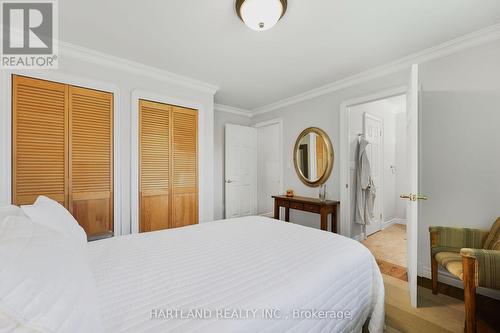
(29,34)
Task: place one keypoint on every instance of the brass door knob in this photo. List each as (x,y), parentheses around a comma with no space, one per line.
(413,197)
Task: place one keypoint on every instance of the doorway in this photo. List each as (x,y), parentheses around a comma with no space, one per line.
(382,125)
(411,193)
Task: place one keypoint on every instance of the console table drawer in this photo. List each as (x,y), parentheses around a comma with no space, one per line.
(284,203)
(311,208)
(296,205)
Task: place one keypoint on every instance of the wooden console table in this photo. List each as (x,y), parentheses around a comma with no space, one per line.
(311,205)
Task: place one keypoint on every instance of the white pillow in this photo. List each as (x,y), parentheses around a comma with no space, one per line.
(46,282)
(52,214)
(10,210)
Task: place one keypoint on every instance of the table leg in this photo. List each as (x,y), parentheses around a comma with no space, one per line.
(287,214)
(324,219)
(276,210)
(334,221)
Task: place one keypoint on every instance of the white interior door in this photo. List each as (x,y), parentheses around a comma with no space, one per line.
(373,134)
(240,171)
(268,167)
(413,181)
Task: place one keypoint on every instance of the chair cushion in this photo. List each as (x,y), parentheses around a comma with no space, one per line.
(452,261)
(493,240)
(456,268)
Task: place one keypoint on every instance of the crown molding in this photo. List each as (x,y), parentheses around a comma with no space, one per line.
(470,40)
(103,59)
(233,110)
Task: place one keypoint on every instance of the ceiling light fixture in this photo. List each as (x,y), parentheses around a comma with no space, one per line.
(261,15)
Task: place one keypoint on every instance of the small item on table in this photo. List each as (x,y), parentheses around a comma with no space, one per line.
(289,193)
(322,192)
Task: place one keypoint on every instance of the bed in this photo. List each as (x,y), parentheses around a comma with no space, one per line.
(240,275)
(250,274)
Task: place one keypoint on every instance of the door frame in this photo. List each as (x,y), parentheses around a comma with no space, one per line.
(134,154)
(6,132)
(344,153)
(279,122)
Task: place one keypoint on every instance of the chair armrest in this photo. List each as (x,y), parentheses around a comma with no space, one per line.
(487,266)
(451,239)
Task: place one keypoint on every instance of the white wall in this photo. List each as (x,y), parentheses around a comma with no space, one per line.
(322,112)
(393,155)
(89,70)
(220,120)
(460,143)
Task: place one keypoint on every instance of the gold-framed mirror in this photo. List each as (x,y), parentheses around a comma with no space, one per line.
(313,157)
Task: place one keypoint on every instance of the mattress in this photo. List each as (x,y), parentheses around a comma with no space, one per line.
(251,274)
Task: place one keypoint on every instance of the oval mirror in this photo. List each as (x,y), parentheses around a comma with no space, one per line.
(313,156)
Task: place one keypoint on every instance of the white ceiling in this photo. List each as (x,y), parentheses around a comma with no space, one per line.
(317,42)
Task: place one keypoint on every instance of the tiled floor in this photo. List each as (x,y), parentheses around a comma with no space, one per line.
(389,245)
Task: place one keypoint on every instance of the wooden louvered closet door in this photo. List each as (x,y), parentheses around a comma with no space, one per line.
(62,147)
(39,140)
(184,167)
(91,159)
(154,164)
(168,163)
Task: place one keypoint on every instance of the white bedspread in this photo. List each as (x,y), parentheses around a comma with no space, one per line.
(241,265)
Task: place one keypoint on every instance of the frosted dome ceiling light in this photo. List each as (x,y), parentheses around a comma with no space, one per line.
(261,15)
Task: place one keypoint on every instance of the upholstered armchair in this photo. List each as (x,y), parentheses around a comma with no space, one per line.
(471,255)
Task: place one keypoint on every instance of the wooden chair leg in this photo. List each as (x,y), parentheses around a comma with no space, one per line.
(469,266)
(434,274)
(434,264)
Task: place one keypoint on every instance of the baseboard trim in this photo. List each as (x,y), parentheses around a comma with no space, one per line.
(359,237)
(449,279)
(401,221)
(396,220)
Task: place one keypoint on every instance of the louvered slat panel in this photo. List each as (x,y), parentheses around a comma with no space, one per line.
(154,165)
(91,164)
(39,140)
(184,167)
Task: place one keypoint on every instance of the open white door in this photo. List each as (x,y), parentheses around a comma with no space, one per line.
(240,171)
(413,182)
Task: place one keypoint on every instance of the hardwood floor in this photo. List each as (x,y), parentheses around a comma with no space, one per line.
(436,313)
(488,309)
